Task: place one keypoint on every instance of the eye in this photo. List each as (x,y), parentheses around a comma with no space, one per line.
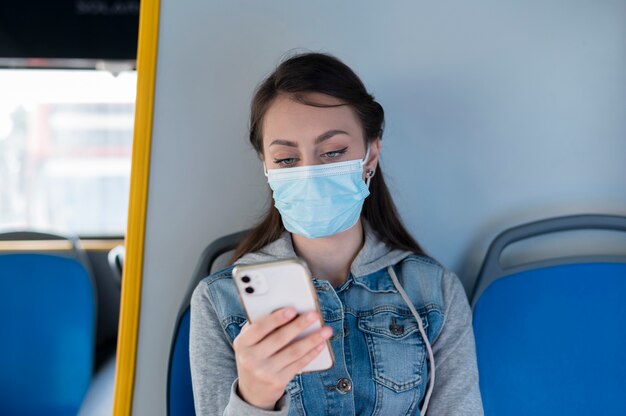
(285,162)
(334,154)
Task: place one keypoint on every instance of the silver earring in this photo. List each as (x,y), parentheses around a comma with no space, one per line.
(370,173)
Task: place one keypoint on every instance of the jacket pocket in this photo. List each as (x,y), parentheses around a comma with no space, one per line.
(232,326)
(397,351)
(294,389)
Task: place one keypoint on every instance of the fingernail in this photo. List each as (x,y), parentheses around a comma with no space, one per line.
(326,332)
(290,313)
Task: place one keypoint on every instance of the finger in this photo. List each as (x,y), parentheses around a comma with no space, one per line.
(285,334)
(294,352)
(295,367)
(258,330)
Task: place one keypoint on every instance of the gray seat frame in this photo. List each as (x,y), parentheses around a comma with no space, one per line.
(492,269)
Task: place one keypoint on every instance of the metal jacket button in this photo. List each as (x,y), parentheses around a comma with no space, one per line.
(344,385)
(395,328)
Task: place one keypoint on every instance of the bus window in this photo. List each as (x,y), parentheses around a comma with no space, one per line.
(65,149)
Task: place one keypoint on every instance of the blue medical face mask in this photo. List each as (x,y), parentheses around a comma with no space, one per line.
(319,200)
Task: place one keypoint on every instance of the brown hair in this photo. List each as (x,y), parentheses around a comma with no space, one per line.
(323,73)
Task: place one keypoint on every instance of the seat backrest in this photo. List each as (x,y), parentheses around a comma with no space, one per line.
(41,241)
(47,327)
(549,335)
(180,393)
(179,390)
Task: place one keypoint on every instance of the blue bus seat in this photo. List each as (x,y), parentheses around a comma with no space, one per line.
(180,393)
(550,336)
(47,325)
(179,390)
(74,250)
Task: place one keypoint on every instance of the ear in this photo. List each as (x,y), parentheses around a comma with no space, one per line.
(262,159)
(372,162)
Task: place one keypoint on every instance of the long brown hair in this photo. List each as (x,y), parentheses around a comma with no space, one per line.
(323,73)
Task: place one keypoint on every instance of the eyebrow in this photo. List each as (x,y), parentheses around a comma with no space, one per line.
(318,140)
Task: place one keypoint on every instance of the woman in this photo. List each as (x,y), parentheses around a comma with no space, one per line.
(394,316)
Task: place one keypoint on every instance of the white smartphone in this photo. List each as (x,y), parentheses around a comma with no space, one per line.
(265,287)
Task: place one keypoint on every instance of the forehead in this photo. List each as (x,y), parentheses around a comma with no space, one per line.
(290,119)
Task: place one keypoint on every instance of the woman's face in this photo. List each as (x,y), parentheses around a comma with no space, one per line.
(296,134)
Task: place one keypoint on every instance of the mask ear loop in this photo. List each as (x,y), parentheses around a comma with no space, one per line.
(370,172)
(367,155)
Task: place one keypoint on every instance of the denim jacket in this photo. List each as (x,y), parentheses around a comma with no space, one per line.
(381,363)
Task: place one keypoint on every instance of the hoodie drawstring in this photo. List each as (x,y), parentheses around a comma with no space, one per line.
(431,377)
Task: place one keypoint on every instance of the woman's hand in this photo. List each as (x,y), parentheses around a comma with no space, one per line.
(265,364)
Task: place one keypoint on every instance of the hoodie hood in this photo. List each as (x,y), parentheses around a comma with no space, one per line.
(373,256)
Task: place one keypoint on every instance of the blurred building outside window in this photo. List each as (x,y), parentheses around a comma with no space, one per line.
(65,150)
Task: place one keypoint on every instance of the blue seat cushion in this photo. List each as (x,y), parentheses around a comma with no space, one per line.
(47,332)
(552,341)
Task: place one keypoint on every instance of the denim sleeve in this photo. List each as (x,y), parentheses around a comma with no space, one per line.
(456,391)
(213,368)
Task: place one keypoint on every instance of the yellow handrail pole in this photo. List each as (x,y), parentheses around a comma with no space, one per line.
(135,234)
